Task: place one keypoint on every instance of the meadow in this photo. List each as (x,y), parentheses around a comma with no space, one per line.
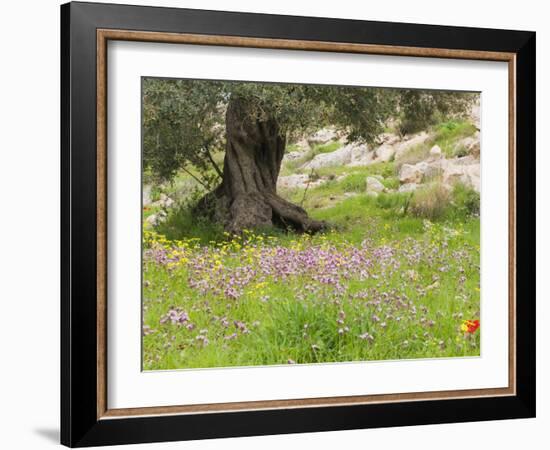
(396,276)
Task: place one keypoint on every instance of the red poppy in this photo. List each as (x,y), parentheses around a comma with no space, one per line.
(470,326)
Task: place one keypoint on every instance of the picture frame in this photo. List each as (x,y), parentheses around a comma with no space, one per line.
(86,418)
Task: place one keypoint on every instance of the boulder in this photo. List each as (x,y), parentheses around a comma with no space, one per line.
(475,115)
(374,185)
(155,219)
(164,202)
(388,138)
(339,157)
(361,155)
(412,173)
(401,148)
(322,137)
(146,192)
(292,156)
(435,152)
(468,174)
(471,144)
(384,153)
(292,181)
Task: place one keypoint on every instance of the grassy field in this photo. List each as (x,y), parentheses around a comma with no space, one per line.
(385,282)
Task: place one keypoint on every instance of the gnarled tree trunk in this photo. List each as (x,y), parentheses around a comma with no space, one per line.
(247,197)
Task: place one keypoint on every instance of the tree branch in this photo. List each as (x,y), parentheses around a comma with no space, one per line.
(196,178)
(211,159)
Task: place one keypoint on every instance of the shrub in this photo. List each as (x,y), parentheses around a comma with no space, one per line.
(466,201)
(430,202)
(183,223)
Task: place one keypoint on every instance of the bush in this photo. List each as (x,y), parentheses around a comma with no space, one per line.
(466,200)
(182,223)
(430,202)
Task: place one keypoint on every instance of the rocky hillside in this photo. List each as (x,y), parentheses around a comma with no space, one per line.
(449,154)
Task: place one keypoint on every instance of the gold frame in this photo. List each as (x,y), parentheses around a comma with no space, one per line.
(103,36)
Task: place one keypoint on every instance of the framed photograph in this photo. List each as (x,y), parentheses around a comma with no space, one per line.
(276,224)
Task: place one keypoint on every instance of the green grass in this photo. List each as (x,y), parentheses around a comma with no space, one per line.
(410,301)
(448,133)
(299,320)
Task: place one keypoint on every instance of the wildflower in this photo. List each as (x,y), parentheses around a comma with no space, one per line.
(147,330)
(366,337)
(469,326)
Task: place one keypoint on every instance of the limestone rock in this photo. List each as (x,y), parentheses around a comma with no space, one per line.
(374,185)
(412,173)
(409,187)
(384,153)
(435,152)
(292,181)
(322,136)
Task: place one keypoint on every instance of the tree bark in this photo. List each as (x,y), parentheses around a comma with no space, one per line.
(247,197)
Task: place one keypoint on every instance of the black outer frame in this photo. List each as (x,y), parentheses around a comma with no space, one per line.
(79,424)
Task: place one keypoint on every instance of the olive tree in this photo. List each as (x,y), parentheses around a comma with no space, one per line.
(185,121)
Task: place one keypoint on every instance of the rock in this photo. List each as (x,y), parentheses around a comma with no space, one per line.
(361,155)
(435,152)
(410,173)
(322,137)
(374,185)
(155,219)
(388,138)
(339,157)
(291,156)
(164,202)
(465,170)
(384,153)
(372,194)
(146,194)
(292,181)
(471,145)
(475,115)
(401,148)
(409,187)
(468,174)
(464,161)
